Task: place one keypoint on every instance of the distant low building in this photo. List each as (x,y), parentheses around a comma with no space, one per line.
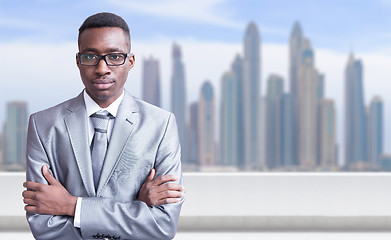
(15,136)
(151,81)
(385,161)
(1,149)
(327,148)
(375,132)
(192,163)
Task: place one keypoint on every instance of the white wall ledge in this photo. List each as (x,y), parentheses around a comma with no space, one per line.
(259,202)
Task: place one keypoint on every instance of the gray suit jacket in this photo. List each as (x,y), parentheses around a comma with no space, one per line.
(143,137)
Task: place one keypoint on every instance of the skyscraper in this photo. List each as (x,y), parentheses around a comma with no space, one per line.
(355,118)
(274,97)
(295,56)
(327,150)
(151,81)
(15,135)
(237,70)
(308,103)
(228,120)
(178,97)
(251,95)
(375,132)
(206,125)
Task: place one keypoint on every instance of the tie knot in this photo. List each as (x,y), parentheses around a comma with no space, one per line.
(100,122)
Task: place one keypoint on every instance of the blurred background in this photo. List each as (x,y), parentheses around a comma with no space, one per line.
(255,85)
(259,89)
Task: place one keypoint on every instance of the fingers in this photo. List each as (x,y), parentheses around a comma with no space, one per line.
(161,190)
(151,175)
(170,187)
(32,209)
(167,201)
(32,185)
(165,178)
(48,176)
(29,194)
(29,201)
(167,197)
(171,194)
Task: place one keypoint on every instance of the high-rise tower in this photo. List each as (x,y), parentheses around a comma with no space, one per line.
(228,120)
(237,70)
(206,126)
(295,56)
(251,96)
(274,97)
(308,103)
(178,97)
(355,117)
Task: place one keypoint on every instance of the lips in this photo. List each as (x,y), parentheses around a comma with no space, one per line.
(103,83)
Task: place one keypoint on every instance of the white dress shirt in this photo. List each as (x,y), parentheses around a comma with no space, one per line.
(91,108)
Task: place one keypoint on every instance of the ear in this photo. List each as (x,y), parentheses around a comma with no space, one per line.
(77,60)
(132,60)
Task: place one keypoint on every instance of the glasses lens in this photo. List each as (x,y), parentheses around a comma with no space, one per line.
(88,59)
(115,58)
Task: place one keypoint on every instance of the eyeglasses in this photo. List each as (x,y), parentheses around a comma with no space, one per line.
(112,59)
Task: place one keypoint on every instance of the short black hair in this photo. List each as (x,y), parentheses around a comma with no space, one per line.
(104,19)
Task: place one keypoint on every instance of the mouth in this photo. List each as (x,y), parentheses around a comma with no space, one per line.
(103,84)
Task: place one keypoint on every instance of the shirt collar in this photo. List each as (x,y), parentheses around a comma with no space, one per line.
(92,107)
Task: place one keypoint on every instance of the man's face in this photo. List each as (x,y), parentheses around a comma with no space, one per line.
(104,83)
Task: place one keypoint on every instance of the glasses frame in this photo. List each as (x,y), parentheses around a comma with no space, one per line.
(100,57)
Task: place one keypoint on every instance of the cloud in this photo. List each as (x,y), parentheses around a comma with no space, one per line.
(202,11)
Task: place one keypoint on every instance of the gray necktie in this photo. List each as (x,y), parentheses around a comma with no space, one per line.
(99,144)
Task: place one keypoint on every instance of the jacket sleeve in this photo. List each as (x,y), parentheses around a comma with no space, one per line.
(135,220)
(44,226)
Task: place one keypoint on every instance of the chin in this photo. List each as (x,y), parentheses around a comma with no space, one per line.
(103,97)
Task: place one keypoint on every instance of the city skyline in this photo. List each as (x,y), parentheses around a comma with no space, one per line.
(206,55)
(315,124)
(313,130)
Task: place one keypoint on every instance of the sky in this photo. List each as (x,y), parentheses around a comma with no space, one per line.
(38,44)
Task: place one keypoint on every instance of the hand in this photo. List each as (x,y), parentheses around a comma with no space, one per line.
(52,199)
(160,190)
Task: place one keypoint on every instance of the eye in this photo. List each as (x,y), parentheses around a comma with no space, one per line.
(116,57)
(89,57)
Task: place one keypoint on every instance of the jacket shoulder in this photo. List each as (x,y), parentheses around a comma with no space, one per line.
(151,111)
(49,116)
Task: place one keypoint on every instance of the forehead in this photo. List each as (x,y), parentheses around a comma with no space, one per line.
(103,39)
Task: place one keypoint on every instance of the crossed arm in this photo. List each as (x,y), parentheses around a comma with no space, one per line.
(54,199)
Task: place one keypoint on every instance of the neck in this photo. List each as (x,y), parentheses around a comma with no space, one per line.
(105,102)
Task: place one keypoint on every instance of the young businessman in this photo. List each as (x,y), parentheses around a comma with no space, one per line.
(103,165)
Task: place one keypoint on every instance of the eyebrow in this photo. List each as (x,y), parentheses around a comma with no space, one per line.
(109,50)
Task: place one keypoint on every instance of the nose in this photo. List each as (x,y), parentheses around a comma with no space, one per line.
(102,68)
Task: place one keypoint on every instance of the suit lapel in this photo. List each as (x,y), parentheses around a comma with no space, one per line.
(76,123)
(125,121)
